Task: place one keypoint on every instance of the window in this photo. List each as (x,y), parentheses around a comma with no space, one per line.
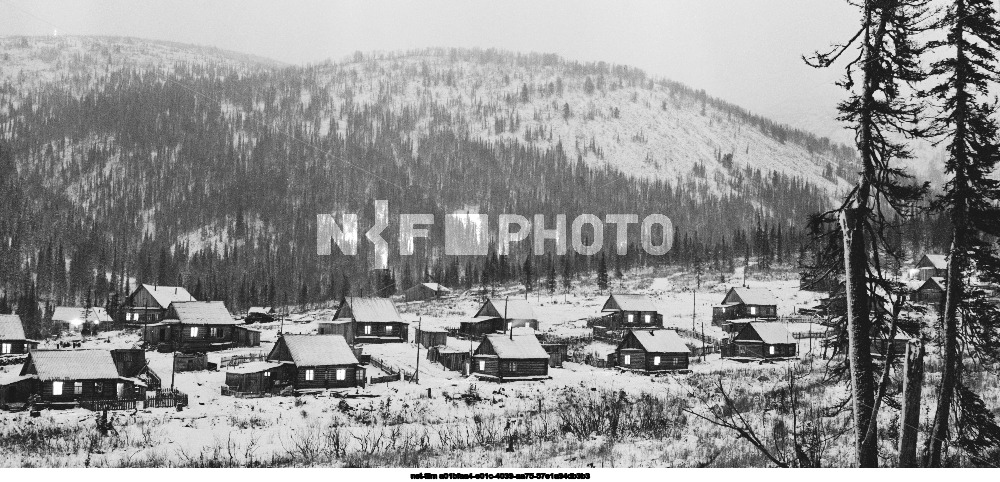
(628,359)
(6,349)
(120,390)
(649,319)
(388,329)
(631,318)
(513,366)
(772,349)
(656,360)
(57,388)
(77,388)
(194,332)
(310,375)
(482,365)
(368,329)
(753,310)
(341,374)
(99,388)
(213,332)
(267,374)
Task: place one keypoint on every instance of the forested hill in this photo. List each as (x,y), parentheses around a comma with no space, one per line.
(127,160)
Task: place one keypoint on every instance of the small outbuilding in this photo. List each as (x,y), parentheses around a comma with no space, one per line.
(451,358)
(260,314)
(254,379)
(425,291)
(428,337)
(509,358)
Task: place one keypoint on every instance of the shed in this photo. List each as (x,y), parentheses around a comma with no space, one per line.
(508,358)
(260,314)
(425,291)
(254,378)
(652,351)
(451,358)
(428,337)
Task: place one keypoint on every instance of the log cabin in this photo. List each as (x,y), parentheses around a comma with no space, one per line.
(12,339)
(260,314)
(66,377)
(652,351)
(931,292)
(316,362)
(77,319)
(755,303)
(149,303)
(428,337)
(512,313)
(425,291)
(625,311)
(931,266)
(762,340)
(199,326)
(508,358)
(369,320)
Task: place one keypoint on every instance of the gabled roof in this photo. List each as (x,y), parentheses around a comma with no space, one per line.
(626,302)
(661,341)
(368,309)
(770,333)
(70,365)
(201,313)
(71,314)
(933,282)
(164,295)
(11,328)
(266,310)
(436,287)
(518,347)
(754,296)
(516,309)
(936,261)
(318,350)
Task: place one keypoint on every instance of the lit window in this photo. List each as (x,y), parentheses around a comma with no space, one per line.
(310,375)
(649,319)
(77,388)
(631,318)
(628,359)
(368,329)
(267,374)
(772,349)
(341,374)
(388,329)
(482,365)
(656,360)
(57,388)
(6,348)
(753,310)
(194,331)
(98,387)
(513,366)
(213,332)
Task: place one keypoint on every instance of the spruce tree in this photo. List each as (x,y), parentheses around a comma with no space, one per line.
(602,274)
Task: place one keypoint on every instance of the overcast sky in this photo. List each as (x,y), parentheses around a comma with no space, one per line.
(744,51)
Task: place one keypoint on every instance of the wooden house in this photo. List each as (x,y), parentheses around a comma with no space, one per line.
(511,313)
(762,340)
(931,266)
(316,362)
(652,351)
(71,376)
(199,326)
(77,319)
(425,291)
(369,320)
(428,337)
(480,326)
(260,314)
(149,303)
(755,303)
(12,339)
(931,292)
(625,311)
(508,358)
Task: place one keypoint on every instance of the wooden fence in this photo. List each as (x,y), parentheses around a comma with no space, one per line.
(101,405)
(395,373)
(166,399)
(236,360)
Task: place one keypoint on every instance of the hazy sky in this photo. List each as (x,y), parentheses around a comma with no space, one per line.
(745,51)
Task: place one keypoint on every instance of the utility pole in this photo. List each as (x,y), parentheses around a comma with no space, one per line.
(416,374)
(173,369)
(507,300)
(694,307)
(703,341)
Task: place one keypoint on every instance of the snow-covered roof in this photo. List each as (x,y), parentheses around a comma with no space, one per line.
(517,347)
(369,309)
(164,295)
(253,367)
(516,309)
(754,296)
(74,314)
(437,287)
(661,341)
(319,350)
(71,365)
(264,310)
(201,313)
(628,302)
(933,282)
(11,327)
(772,333)
(936,261)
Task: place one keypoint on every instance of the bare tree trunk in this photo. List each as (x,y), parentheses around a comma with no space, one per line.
(913,372)
(859,335)
(949,371)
